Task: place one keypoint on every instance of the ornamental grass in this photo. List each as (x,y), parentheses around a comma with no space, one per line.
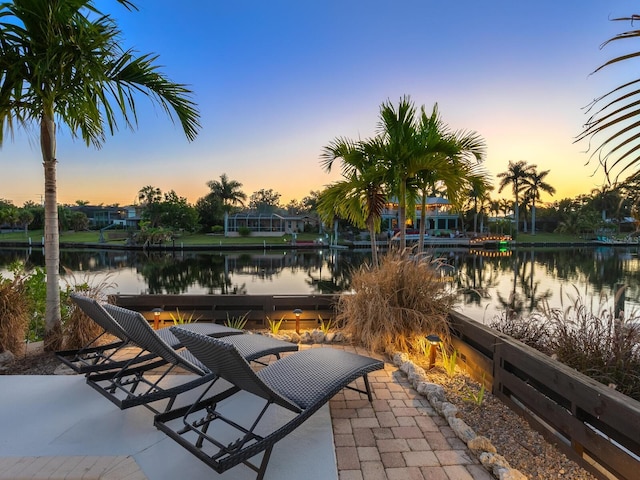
(393,306)
(78,329)
(591,339)
(14,315)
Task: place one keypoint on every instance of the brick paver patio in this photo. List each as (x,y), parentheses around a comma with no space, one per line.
(398,436)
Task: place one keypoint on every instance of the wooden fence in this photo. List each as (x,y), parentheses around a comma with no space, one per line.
(591,423)
(218,308)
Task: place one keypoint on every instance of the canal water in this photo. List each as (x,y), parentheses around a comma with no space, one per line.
(487,282)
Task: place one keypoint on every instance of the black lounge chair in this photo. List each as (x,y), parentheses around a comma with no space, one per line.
(145,383)
(300,383)
(96,358)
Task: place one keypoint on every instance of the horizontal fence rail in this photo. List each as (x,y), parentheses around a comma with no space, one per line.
(256,309)
(590,422)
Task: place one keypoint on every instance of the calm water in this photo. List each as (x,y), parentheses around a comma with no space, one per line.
(487,282)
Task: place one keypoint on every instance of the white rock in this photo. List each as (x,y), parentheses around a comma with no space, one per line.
(494,462)
(407,367)
(305,338)
(421,387)
(463,431)
(511,474)
(294,337)
(317,336)
(329,337)
(481,444)
(339,337)
(449,410)
(436,396)
(417,375)
(399,358)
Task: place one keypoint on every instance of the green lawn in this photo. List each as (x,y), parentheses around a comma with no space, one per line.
(202,239)
(185,239)
(542,237)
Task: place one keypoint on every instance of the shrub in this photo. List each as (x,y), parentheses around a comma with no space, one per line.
(274,326)
(325,327)
(14,315)
(449,361)
(591,340)
(237,322)
(397,303)
(534,330)
(244,231)
(181,318)
(35,292)
(599,345)
(22,310)
(217,229)
(78,329)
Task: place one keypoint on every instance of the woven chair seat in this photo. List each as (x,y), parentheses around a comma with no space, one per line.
(301,383)
(96,358)
(144,383)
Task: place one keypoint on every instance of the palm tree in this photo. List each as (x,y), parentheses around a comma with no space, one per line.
(607,199)
(534,184)
(616,115)
(61,63)
(514,176)
(442,157)
(149,195)
(397,134)
(411,144)
(494,207)
(479,190)
(25,217)
(360,197)
(228,191)
(505,206)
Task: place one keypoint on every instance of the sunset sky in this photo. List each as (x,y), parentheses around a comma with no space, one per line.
(276,81)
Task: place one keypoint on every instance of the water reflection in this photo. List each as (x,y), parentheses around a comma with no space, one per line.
(487,282)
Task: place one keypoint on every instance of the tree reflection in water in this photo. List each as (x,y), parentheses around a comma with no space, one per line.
(488,282)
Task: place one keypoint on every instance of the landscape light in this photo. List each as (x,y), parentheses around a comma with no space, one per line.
(297,313)
(434,340)
(156,318)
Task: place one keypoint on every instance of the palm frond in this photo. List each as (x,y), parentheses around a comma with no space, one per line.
(616,112)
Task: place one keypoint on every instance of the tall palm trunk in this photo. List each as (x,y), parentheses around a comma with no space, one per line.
(402,211)
(423,218)
(53,325)
(374,245)
(475,214)
(516,213)
(533,218)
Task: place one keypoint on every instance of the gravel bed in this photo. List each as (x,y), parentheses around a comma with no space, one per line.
(37,363)
(524,448)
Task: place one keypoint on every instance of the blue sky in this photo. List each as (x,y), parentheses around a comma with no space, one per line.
(276,81)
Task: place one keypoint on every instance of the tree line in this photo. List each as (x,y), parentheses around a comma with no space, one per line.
(604,208)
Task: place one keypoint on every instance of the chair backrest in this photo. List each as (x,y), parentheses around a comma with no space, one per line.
(94,310)
(225,361)
(140,332)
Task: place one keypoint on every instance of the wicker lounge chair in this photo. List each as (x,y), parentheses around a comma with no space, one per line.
(300,383)
(142,384)
(92,358)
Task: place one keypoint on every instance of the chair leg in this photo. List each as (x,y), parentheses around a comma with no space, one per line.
(263,465)
(368,387)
